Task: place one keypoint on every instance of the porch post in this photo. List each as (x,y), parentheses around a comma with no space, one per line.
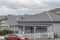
(34,32)
(18,28)
(23,29)
(14,29)
(52,32)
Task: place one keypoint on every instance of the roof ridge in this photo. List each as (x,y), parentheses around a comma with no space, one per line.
(49,16)
(36,15)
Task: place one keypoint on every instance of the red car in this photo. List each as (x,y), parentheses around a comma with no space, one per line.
(15,37)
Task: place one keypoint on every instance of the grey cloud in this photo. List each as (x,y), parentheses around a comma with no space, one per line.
(16,5)
(32,9)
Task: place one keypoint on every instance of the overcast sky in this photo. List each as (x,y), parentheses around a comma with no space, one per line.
(20,7)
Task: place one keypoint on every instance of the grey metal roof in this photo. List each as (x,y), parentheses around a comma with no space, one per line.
(45,16)
(24,17)
(55,17)
(38,17)
(12,20)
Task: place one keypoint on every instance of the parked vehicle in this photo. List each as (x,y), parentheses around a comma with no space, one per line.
(15,37)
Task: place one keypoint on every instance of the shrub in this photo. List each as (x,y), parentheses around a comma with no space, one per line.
(5,32)
(56,35)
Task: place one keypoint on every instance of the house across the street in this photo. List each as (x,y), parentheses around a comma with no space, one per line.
(42,25)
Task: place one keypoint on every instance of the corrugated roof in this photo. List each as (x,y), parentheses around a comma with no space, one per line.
(55,17)
(45,16)
(38,17)
(12,20)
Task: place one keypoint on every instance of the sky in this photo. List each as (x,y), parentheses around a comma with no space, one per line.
(21,7)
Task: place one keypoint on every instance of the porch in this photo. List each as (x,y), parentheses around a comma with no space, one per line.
(42,31)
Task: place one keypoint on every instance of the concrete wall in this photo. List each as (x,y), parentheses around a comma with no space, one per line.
(56,28)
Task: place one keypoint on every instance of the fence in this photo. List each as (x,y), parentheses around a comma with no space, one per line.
(37,35)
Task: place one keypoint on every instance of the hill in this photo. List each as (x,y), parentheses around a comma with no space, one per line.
(55,10)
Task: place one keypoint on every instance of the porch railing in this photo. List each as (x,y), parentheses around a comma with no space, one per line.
(36,35)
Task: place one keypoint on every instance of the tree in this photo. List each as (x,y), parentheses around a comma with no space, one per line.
(5,18)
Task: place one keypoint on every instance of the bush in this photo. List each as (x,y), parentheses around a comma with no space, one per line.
(56,36)
(5,32)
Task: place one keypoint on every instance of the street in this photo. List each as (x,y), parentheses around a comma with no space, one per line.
(1,39)
(38,39)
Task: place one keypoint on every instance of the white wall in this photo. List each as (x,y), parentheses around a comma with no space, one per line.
(50,31)
(19,29)
(56,27)
(3,27)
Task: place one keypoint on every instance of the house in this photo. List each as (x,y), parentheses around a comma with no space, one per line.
(3,25)
(42,25)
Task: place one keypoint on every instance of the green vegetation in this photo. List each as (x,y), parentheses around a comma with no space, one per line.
(56,36)
(55,10)
(5,18)
(5,32)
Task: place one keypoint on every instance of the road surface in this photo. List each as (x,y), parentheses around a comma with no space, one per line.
(1,39)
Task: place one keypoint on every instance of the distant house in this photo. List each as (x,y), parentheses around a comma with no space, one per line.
(42,25)
(3,25)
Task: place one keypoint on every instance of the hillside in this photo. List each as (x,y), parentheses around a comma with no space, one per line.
(55,10)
